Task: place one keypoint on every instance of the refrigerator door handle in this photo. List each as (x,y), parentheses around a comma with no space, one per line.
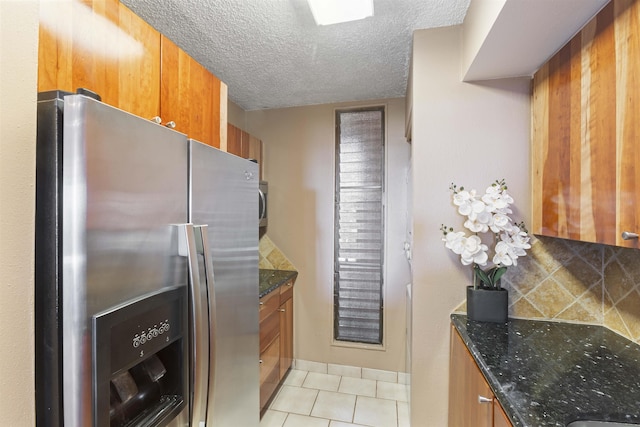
(263,211)
(198,353)
(205,250)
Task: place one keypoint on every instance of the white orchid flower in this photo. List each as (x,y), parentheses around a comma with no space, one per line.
(490,212)
(465,209)
(501,256)
(461,197)
(506,197)
(497,199)
(474,251)
(475,226)
(454,241)
(520,239)
(500,222)
(479,222)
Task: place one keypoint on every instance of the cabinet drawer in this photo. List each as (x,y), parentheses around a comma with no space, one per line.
(269,329)
(269,304)
(269,371)
(286,291)
(270,360)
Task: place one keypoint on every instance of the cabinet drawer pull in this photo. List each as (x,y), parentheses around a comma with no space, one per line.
(171,124)
(482,399)
(281,310)
(261,303)
(627,235)
(156,120)
(260,360)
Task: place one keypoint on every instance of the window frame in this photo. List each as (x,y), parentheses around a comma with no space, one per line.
(380,345)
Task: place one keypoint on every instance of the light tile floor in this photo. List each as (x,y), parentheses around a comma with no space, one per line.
(312,399)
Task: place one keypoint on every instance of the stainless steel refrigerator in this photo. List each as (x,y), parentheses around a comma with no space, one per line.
(146,273)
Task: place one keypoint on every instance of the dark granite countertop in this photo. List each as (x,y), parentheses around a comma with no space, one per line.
(270,280)
(549,373)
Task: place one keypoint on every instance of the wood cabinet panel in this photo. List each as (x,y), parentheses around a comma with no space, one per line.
(269,330)
(255,149)
(234,140)
(244,145)
(286,291)
(269,304)
(286,334)
(269,371)
(466,384)
(500,419)
(190,95)
(102,46)
(585,132)
(255,152)
(276,327)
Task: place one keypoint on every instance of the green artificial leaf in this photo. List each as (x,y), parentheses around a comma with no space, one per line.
(481,275)
(499,272)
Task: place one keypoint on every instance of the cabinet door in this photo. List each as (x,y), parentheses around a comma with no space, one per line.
(102,46)
(270,329)
(500,419)
(244,145)
(269,371)
(286,336)
(234,140)
(191,96)
(255,151)
(470,398)
(244,148)
(586,136)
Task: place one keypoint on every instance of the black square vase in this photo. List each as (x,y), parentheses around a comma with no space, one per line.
(487,306)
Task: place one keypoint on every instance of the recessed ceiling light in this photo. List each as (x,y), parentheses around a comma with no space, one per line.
(327,12)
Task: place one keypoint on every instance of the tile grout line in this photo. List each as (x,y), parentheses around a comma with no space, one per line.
(357,398)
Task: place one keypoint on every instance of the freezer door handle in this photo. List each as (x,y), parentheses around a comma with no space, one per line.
(199,351)
(205,250)
(263,204)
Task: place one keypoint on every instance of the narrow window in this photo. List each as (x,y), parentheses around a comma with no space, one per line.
(359,225)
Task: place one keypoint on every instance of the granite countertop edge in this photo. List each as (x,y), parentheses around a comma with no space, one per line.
(547,373)
(270,280)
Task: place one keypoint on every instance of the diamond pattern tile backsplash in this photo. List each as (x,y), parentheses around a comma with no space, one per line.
(565,280)
(271,258)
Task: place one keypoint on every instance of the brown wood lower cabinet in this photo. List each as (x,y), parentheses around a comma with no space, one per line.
(471,401)
(286,327)
(276,339)
(499,417)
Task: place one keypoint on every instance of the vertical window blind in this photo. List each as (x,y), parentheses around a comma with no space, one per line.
(359,225)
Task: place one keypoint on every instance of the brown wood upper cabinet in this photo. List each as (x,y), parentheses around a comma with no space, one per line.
(243,144)
(102,46)
(190,96)
(234,140)
(586,132)
(471,401)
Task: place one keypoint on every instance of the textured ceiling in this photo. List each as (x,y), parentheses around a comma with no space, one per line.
(271,54)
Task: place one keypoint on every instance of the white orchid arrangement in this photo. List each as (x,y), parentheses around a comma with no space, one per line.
(487,213)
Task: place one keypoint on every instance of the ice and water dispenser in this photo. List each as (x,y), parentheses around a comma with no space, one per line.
(140,361)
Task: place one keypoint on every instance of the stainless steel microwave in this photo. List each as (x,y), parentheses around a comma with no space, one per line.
(262,200)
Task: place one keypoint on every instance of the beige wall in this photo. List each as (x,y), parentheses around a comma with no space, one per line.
(299,165)
(470,134)
(18,77)
(478,21)
(236,115)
